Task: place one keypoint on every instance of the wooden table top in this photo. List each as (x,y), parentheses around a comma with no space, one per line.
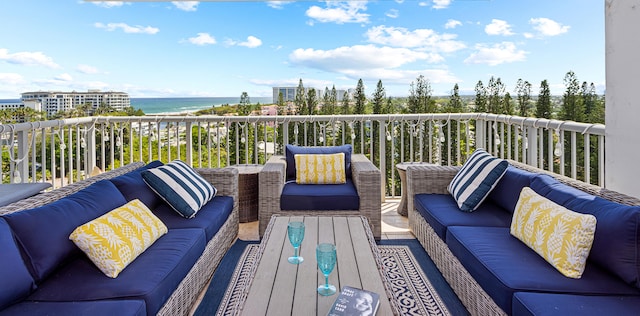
(281,288)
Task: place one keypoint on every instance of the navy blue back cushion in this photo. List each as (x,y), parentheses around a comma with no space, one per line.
(133,186)
(616,244)
(17,283)
(292,150)
(43,232)
(507,191)
(319,196)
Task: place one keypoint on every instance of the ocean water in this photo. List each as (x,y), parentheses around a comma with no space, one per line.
(181,105)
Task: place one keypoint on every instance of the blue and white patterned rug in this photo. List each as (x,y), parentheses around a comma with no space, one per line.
(411,288)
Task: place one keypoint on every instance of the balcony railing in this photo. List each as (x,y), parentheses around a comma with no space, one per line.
(65,151)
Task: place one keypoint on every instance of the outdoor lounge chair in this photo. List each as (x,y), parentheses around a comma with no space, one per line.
(280,194)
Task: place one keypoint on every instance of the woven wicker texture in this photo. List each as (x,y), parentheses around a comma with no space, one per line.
(434,179)
(184,297)
(366,178)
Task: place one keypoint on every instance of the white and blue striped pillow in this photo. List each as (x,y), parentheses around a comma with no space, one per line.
(180,186)
(478,176)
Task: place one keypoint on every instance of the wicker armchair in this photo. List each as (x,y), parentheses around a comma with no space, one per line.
(366,178)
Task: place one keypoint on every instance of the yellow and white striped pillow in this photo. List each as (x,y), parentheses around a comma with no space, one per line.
(560,236)
(320,168)
(113,240)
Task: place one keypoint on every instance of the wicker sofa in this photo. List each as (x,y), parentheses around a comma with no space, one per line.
(315,199)
(165,280)
(493,273)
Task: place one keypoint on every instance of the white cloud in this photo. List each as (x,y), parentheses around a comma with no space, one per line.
(420,38)
(63,77)
(108,4)
(452,24)
(291,82)
(127,28)
(505,52)
(441,4)
(11,79)
(186,5)
(423,4)
(277,4)
(202,39)
(340,12)
(86,69)
(498,27)
(393,13)
(28,58)
(358,57)
(251,42)
(548,27)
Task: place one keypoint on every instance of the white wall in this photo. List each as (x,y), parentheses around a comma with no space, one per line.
(622,44)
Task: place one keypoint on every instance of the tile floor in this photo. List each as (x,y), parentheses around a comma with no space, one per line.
(394,226)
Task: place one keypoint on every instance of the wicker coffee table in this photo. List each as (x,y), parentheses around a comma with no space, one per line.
(281,288)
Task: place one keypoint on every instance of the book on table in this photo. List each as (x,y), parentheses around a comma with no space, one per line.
(354,301)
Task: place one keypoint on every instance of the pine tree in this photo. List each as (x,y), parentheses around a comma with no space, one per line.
(543,105)
(523,90)
(378,100)
(359,108)
(312,102)
(299,100)
(455,102)
(572,106)
(481,98)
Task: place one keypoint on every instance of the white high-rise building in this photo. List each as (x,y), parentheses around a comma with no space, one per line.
(55,101)
(289,93)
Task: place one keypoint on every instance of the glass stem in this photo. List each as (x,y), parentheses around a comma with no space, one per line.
(295,252)
(326,281)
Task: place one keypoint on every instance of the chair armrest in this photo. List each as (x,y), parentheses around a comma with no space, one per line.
(270,183)
(225,180)
(367,179)
(428,179)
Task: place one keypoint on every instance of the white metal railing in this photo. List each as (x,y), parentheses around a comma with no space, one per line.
(65,151)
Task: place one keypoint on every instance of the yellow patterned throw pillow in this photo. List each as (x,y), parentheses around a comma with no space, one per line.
(320,168)
(560,236)
(113,240)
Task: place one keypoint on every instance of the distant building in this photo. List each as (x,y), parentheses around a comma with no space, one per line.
(33,104)
(289,93)
(55,101)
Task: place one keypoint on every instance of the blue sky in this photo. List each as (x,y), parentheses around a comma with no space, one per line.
(222,48)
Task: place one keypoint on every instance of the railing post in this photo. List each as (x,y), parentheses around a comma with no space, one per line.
(532,146)
(23,150)
(188,140)
(382,153)
(90,149)
(480,141)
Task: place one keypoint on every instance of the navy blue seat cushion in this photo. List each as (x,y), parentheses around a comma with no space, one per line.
(17,283)
(616,244)
(211,216)
(133,186)
(507,191)
(152,276)
(319,196)
(544,304)
(441,211)
(503,265)
(292,150)
(43,232)
(93,308)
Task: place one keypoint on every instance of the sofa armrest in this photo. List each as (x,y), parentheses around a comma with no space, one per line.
(428,179)
(367,180)
(270,183)
(225,180)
